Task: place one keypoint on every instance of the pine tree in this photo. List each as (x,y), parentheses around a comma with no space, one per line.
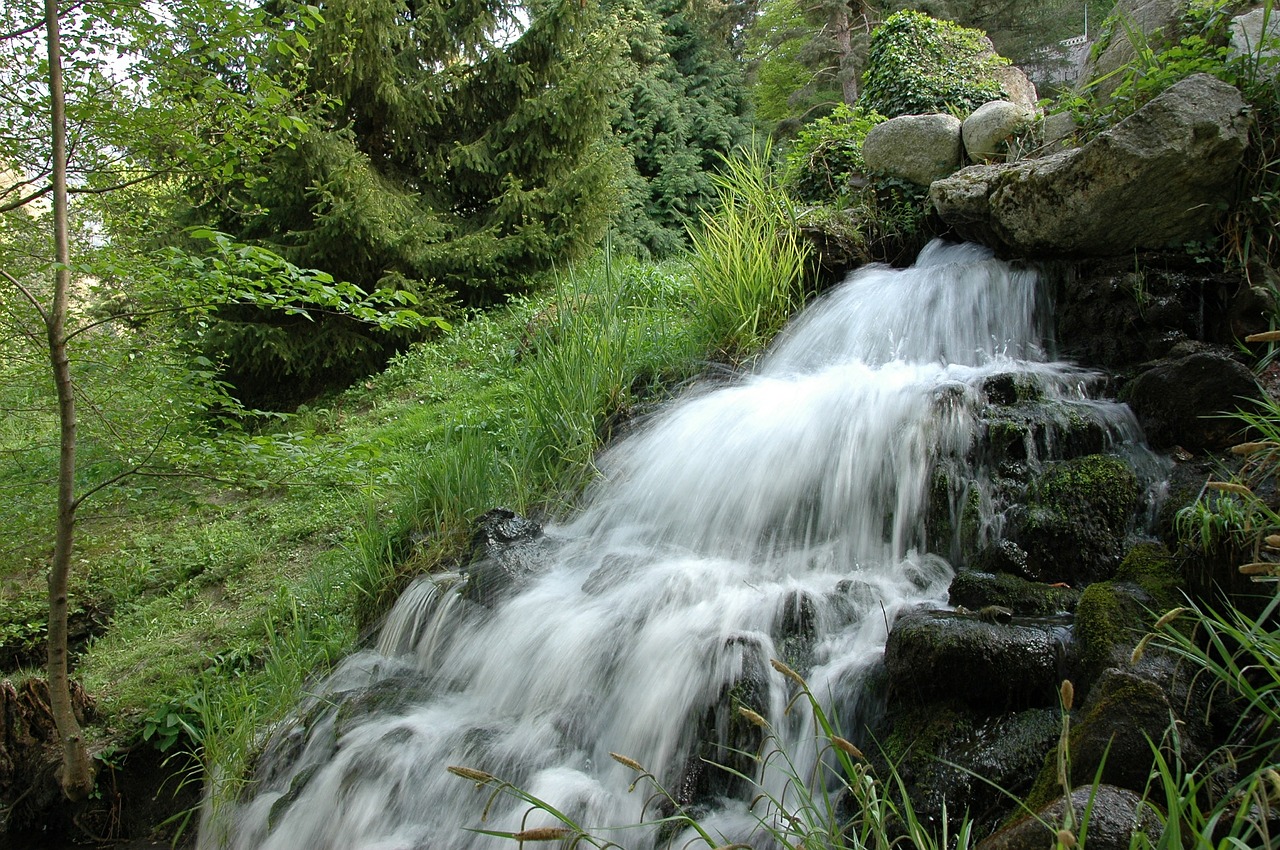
(459,147)
(686,109)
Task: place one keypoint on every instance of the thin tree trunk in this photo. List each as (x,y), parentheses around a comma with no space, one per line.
(77,768)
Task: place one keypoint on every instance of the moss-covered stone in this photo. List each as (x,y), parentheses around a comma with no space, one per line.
(974,589)
(1077,513)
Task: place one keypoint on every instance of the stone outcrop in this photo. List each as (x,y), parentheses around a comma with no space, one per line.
(917,148)
(1158,178)
(1179,400)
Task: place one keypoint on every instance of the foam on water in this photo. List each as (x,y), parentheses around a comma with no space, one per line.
(779,516)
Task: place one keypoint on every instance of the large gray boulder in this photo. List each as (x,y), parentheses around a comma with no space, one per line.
(1248,38)
(918,148)
(1114,815)
(1156,179)
(1153,22)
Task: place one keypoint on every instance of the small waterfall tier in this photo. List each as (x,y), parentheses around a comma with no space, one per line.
(785,515)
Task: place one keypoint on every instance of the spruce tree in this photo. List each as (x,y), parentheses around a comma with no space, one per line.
(687,108)
(458,147)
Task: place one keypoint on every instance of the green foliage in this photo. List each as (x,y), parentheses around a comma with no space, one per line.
(827,154)
(455,147)
(749,260)
(684,111)
(1228,797)
(918,64)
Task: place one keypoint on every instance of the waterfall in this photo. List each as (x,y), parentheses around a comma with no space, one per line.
(779,517)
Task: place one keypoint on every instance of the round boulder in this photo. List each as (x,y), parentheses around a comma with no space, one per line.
(916,148)
(1179,401)
(987,131)
(1115,815)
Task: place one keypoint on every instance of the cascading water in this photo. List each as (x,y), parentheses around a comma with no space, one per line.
(782,516)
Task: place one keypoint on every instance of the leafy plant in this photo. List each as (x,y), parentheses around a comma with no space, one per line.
(826,155)
(1228,798)
(918,64)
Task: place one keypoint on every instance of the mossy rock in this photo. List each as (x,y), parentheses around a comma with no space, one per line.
(974,590)
(948,756)
(1074,523)
(1112,616)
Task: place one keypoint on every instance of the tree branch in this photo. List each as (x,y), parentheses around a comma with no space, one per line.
(31,299)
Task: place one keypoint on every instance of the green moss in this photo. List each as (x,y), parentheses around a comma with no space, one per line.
(1096,487)
(1099,627)
(1150,566)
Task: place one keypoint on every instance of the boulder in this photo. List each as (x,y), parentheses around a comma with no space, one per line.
(1158,178)
(1179,400)
(1157,22)
(1115,815)
(1017,86)
(987,131)
(1248,39)
(506,549)
(917,148)
(974,660)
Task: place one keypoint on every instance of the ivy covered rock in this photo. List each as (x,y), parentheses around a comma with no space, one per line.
(918,65)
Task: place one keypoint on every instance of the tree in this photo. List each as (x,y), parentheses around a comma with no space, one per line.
(459,148)
(685,111)
(807,57)
(104,93)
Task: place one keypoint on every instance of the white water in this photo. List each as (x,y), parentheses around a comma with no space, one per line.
(779,517)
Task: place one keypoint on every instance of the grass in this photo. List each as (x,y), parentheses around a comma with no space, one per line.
(226,592)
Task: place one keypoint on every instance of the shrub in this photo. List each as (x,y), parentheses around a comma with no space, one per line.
(918,65)
(827,154)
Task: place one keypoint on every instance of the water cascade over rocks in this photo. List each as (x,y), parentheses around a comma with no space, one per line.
(779,517)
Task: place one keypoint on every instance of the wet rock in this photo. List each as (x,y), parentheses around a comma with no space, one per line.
(963,658)
(1073,523)
(916,148)
(1179,401)
(1112,616)
(958,761)
(505,550)
(1114,816)
(1125,714)
(974,590)
(1156,179)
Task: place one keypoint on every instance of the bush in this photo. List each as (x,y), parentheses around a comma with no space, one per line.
(827,154)
(919,65)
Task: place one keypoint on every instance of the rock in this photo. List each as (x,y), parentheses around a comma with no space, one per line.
(1158,178)
(949,655)
(1157,21)
(987,131)
(1125,714)
(1057,130)
(1114,816)
(974,590)
(1073,523)
(917,148)
(1017,87)
(1178,401)
(955,762)
(505,550)
(1248,39)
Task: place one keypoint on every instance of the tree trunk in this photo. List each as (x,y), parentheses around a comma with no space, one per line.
(77,767)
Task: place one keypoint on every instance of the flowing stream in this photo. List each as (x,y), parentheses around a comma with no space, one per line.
(778,517)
